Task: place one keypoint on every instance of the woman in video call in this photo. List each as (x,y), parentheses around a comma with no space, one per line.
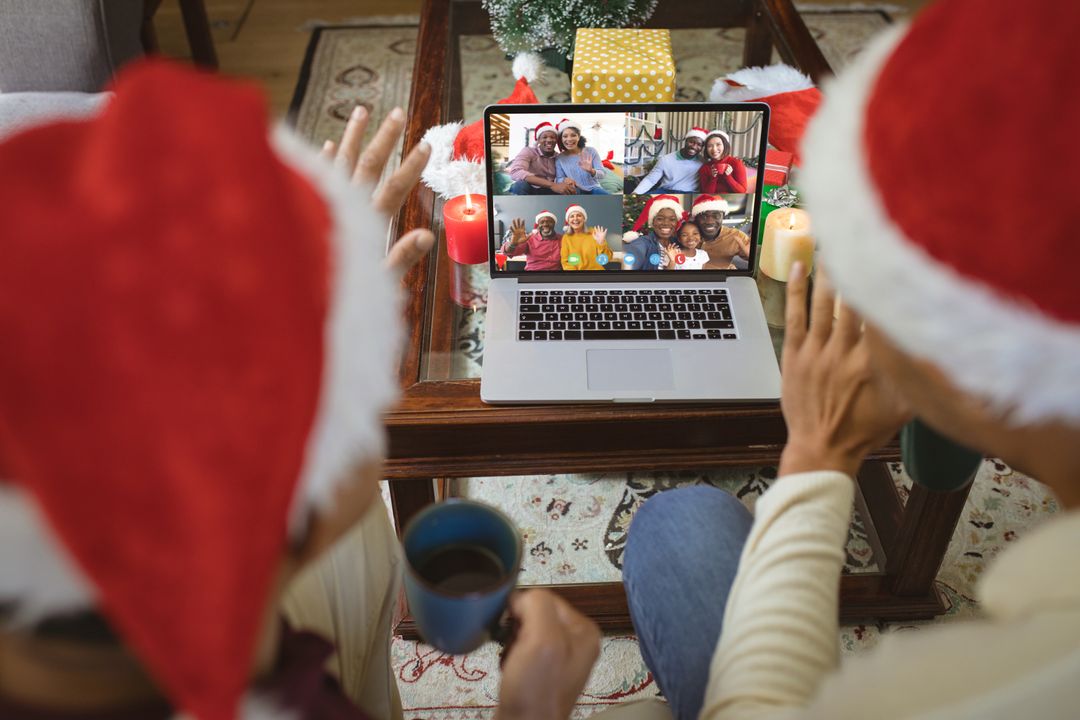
(648,252)
(582,248)
(577,162)
(686,253)
(721,172)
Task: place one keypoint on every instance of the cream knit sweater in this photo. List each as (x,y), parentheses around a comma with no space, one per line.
(778,654)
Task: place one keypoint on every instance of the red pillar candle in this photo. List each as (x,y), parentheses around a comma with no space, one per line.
(465,220)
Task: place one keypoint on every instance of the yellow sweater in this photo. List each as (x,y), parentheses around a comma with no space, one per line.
(583,245)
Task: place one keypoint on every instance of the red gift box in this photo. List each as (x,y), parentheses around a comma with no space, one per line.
(777,167)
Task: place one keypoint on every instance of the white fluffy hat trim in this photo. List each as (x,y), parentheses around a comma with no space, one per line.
(358,383)
(1016,358)
(448,177)
(567,123)
(662,203)
(758,82)
(544,214)
(718,204)
(575,208)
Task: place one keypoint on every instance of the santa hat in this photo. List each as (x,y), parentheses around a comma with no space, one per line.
(648,213)
(984,290)
(457,150)
(723,136)
(705,203)
(545,214)
(568,123)
(575,208)
(543,128)
(791,97)
(696,132)
(187,369)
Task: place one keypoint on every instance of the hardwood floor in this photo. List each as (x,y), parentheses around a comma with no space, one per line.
(265,39)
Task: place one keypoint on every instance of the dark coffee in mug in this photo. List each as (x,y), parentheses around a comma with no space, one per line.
(462,569)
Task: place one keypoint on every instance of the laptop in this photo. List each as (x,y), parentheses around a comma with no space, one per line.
(614,276)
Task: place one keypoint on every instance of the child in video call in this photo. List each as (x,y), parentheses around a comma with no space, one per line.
(577,162)
(583,249)
(720,172)
(687,245)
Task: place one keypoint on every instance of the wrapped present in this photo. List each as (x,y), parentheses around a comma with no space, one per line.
(615,65)
(777,167)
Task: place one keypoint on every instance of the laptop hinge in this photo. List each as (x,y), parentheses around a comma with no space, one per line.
(627,277)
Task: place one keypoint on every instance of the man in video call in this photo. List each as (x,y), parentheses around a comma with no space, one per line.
(533,170)
(542,247)
(725,246)
(676,172)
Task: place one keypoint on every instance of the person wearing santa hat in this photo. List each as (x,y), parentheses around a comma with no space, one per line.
(986,353)
(542,247)
(533,168)
(660,217)
(727,247)
(720,171)
(583,248)
(197,352)
(577,162)
(676,172)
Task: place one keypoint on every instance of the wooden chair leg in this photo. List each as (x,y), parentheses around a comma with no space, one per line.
(197,27)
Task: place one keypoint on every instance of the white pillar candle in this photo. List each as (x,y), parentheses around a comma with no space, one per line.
(786,240)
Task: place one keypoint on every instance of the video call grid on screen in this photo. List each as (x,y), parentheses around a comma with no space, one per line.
(629,154)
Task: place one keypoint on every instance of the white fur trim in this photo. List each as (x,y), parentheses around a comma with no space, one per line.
(759,82)
(528,65)
(696,132)
(448,177)
(630,235)
(719,204)
(363,335)
(659,205)
(1012,356)
(575,208)
(545,213)
(567,123)
(35,569)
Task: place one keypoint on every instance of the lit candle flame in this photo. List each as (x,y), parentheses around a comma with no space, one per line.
(791,221)
(468,204)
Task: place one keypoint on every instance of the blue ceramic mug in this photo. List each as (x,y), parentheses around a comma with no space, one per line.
(462,561)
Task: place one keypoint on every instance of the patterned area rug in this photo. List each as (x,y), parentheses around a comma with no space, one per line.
(575,525)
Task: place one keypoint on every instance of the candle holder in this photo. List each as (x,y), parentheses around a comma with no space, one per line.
(465,221)
(786,239)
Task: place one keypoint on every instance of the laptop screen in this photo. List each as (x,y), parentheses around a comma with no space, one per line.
(624,188)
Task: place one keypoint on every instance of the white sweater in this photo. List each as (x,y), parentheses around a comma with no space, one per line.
(777,657)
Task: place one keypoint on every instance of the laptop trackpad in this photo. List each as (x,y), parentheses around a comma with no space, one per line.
(629,370)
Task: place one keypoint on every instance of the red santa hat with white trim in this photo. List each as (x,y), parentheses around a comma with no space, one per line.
(545,214)
(791,96)
(457,150)
(566,123)
(655,204)
(696,132)
(984,290)
(187,368)
(706,203)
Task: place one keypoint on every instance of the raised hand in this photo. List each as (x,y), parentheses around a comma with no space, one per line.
(517,231)
(836,406)
(599,234)
(546,667)
(365,166)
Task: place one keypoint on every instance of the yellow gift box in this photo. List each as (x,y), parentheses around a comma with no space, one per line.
(622,66)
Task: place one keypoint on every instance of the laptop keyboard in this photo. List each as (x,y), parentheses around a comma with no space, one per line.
(675,314)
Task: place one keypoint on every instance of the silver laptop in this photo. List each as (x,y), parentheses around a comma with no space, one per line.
(623,247)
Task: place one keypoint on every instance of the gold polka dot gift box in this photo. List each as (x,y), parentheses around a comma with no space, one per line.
(622,66)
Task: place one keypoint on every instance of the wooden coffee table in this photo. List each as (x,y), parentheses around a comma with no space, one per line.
(442,430)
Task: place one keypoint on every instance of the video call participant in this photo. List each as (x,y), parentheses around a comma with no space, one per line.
(577,162)
(720,171)
(542,247)
(726,246)
(583,249)
(648,252)
(533,170)
(686,253)
(676,172)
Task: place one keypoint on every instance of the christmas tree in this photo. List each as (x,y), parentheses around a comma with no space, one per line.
(520,25)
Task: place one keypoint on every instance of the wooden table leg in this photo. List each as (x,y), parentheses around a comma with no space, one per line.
(408,497)
(197,28)
(930,518)
(758,48)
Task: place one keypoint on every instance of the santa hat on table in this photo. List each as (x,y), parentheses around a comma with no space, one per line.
(696,132)
(457,150)
(705,203)
(984,290)
(187,369)
(791,96)
(655,204)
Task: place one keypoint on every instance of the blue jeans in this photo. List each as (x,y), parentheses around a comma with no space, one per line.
(521,187)
(680,560)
